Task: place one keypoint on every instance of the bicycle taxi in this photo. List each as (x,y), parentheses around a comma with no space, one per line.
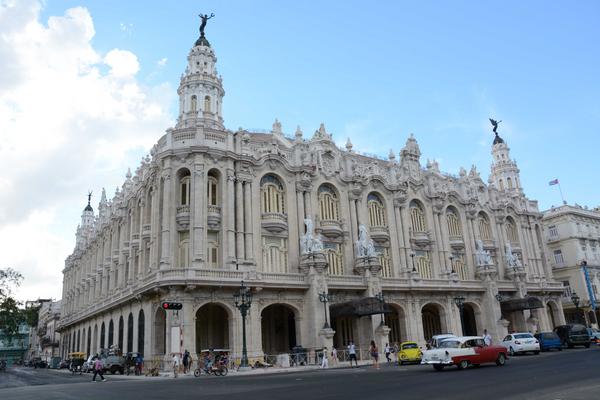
(213,361)
(77,359)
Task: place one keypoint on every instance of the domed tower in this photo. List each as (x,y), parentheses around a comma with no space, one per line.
(504,171)
(410,157)
(201,88)
(84,230)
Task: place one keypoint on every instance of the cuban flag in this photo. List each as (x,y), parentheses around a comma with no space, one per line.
(553,182)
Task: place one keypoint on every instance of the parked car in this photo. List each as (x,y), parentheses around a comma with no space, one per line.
(435,341)
(463,352)
(573,335)
(522,342)
(549,341)
(594,335)
(409,352)
(88,365)
(114,364)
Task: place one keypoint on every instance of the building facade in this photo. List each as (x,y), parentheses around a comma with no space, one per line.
(210,207)
(572,235)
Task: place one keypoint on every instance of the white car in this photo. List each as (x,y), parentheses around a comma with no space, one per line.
(435,341)
(521,343)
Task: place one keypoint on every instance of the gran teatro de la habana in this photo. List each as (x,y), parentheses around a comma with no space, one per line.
(334,246)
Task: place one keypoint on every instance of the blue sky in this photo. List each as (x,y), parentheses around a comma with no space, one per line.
(89,86)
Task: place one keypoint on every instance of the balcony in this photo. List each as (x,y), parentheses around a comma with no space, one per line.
(274,222)
(213,217)
(135,240)
(146,231)
(420,238)
(125,248)
(182,217)
(489,244)
(457,242)
(115,256)
(552,238)
(331,228)
(380,233)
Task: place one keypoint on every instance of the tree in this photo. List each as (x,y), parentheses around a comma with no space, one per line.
(8,278)
(11,316)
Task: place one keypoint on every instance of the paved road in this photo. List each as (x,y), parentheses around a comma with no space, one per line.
(572,375)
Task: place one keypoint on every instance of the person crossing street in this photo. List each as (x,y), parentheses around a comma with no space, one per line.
(98,366)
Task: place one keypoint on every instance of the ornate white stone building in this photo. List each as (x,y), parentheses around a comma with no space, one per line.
(210,207)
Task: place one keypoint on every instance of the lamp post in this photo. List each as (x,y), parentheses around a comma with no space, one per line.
(452,263)
(460,303)
(412,257)
(243,300)
(499,297)
(325,298)
(576,299)
(379,296)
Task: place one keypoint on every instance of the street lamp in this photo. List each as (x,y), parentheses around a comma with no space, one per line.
(412,257)
(452,263)
(325,298)
(379,296)
(243,300)
(499,297)
(576,299)
(460,303)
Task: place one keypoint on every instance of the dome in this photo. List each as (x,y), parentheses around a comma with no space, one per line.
(498,139)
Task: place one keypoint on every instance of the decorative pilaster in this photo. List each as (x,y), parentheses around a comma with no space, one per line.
(199,206)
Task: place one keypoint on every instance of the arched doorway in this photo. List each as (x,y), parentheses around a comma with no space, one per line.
(102,336)
(89,341)
(212,327)
(111,333)
(552,311)
(344,330)
(130,333)
(432,321)
(120,335)
(141,332)
(160,331)
(77,348)
(278,327)
(397,323)
(469,320)
(95,342)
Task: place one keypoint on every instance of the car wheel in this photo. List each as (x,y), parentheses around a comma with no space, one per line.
(560,348)
(438,367)
(401,362)
(113,371)
(587,346)
(122,371)
(197,373)
(224,371)
(536,352)
(501,360)
(463,364)
(511,351)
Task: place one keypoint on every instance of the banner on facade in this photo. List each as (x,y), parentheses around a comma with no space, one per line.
(360,308)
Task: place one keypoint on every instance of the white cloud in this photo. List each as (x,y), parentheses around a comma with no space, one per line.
(65,127)
(162,62)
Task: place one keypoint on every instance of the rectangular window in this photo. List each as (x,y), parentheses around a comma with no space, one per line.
(567,286)
(558,257)
(184,192)
(553,232)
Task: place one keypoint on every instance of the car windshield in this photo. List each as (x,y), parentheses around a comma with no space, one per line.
(523,336)
(450,344)
(409,346)
(549,335)
(578,329)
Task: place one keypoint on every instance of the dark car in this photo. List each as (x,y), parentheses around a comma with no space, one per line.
(549,341)
(114,364)
(573,335)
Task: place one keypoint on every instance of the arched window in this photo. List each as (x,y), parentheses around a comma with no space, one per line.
(272,195)
(194,103)
(485,231)
(328,203)
(417,217)
(501,184)
(274,254)
(212,189)
(207,104)
(458,265)
(184,187)
(509,183)
(423,264)
(213,250)
(385,260)
(376,211)
(333,254)
(141,332)
(453,221)
(184,249)
(511,231)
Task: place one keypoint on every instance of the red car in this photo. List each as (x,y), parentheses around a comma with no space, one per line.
(463,352)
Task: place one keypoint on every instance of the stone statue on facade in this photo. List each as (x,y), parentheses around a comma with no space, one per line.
(310,242)
(482,256)
(204,18)
(364,245)
(511,259)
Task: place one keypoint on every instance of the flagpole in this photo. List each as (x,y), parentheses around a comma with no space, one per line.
(561,194)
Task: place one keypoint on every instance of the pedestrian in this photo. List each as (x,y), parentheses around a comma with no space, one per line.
(325,361)
(334,358)
(186,361)
(396,351)
(487,338)
(387,353)
(176,362)
(374,354)
(352,353)
(98,366)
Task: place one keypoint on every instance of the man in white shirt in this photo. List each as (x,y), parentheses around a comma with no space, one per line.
(352,353)
(175,364)
(487,338)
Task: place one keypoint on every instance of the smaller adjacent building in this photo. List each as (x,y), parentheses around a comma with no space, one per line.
(572,234)
(13,348)
(44,338)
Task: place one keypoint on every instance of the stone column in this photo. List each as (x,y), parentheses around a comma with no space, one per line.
(248,221)
(228,219)
(300,211)
(165,260)
(198,208)
(239,220)
(154,229)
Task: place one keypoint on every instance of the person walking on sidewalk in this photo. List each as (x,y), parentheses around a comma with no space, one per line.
(374,354)
(176,362)
(396,352)
(334,358)
(186,361)
(98,366)
(352,353)
(325,361)
(387,353)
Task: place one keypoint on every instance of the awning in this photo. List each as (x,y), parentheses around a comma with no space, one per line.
(360,308)
(527,303)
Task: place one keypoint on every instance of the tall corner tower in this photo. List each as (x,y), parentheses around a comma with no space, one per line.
(201,88)
(504,170)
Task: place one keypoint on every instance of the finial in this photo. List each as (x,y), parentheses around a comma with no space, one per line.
(298,133)
(391,155)
(349,145)
(89,197)
(128,174)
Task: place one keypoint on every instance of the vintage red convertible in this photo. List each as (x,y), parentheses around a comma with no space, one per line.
(463,352)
